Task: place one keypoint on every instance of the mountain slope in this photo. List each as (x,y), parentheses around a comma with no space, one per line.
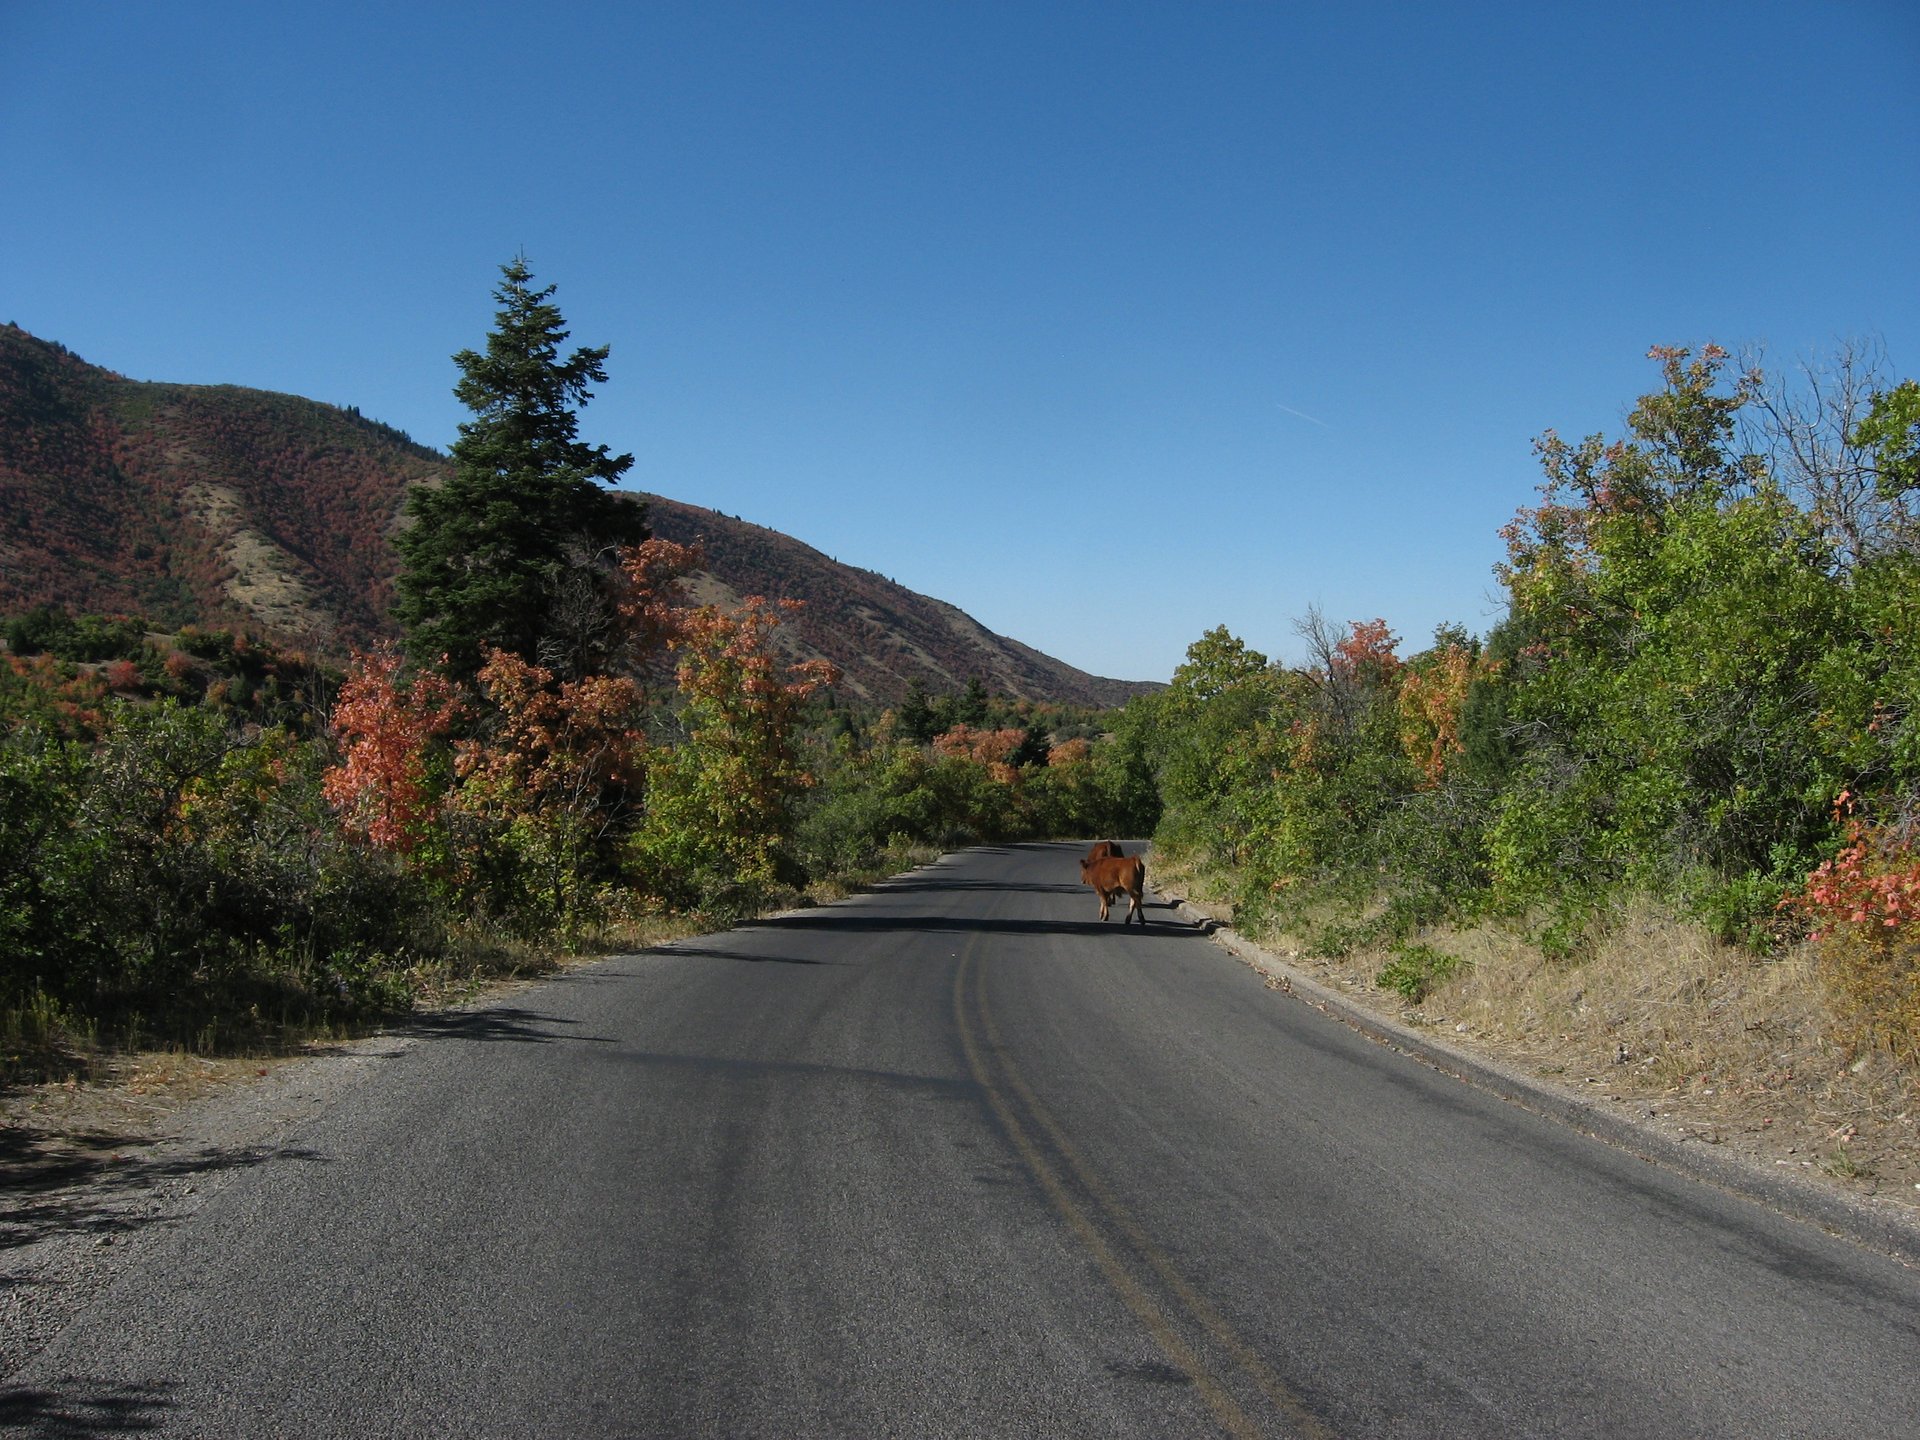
(219,505)
(882,635)
(206,503)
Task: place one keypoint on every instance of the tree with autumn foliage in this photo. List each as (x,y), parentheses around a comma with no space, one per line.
(995,750)
(1863,905)
(1432,699)
(392,731)
(514,552)
(652,600)
(545,790)
(514,792)
(719,803)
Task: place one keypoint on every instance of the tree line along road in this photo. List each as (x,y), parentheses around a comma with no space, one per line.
(952,1158)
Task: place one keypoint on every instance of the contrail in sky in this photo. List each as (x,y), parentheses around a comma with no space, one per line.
(1304,416)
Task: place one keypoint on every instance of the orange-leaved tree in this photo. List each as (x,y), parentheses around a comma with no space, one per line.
(392,775)
(1864,905)
(1432,697)
(719,803)
(652,601)
(991,749)
(546,787)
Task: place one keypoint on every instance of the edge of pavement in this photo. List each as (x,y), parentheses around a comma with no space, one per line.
(1875,1227)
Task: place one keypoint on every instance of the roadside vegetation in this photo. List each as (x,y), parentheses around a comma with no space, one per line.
(1667,813)
(209,844)
(213,845)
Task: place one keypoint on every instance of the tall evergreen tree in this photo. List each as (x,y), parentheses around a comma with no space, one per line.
(513,551)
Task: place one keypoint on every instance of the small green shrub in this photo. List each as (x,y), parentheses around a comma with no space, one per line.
(1743,911)
(1416,970)
(1567,935)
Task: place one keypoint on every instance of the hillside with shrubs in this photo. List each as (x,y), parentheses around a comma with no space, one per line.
(239,509)
(883,638)
(194,504)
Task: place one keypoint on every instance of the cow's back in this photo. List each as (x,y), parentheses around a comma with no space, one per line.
(1110,873)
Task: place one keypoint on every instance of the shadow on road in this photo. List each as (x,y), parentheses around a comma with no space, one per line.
(856,922)
(753,1068)
(899,887)
(709,952)
(85,1407)
(98,1183)
(528,1027)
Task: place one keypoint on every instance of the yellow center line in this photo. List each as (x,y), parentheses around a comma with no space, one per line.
(1232,1418)
(1198,1306)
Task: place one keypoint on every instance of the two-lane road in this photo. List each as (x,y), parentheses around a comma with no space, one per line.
(955,1159)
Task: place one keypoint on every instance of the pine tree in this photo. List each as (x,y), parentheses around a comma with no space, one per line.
(971,707)
(917,720)
(514,551)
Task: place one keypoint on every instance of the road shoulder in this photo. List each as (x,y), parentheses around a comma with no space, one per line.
(1889,1227)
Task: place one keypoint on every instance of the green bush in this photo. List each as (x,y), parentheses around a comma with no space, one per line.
(46,865)
(1417,970)
(83,639)
(182,860)
(1699,659)
(38,632)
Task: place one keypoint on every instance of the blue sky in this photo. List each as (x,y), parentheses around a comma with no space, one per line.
(1107,322)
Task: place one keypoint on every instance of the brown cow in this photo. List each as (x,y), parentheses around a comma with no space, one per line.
(1105,849)
(1111,874)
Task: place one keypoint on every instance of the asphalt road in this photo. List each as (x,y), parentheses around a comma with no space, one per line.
(955,1159)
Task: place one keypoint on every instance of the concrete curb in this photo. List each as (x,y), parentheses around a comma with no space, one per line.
(1846,1216)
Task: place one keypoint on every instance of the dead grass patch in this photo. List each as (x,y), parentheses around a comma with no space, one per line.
(1659,1017)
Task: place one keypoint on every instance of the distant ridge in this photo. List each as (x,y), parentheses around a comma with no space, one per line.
(883,636)
(223,506)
